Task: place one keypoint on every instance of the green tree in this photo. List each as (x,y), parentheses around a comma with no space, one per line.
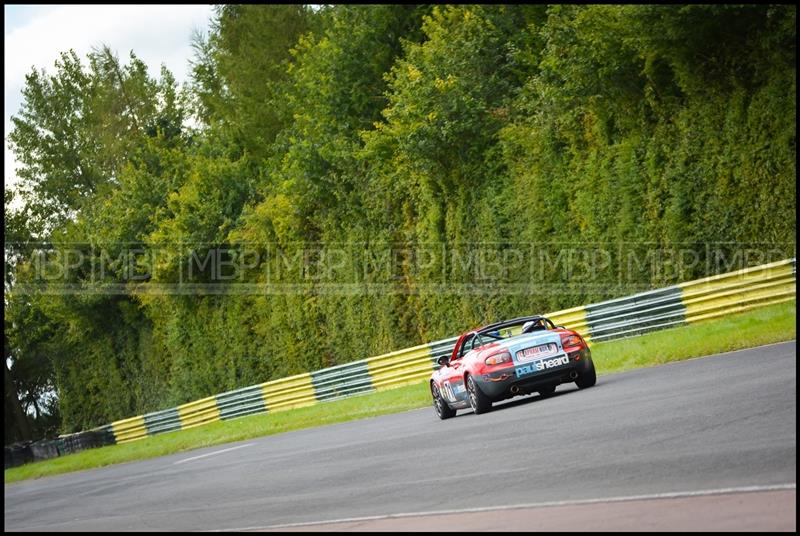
(238,71)
(365,130)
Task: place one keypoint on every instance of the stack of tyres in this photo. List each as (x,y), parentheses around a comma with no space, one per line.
(45,449)
(104,437)
(82,441)
(18,454)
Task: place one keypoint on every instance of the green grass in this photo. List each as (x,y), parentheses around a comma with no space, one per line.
(769,324)
(762,326)
(347,409)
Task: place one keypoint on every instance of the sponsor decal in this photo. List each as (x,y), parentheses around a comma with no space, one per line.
(451,392)
(538,366)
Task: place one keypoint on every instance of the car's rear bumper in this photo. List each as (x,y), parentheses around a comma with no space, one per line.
(519,379)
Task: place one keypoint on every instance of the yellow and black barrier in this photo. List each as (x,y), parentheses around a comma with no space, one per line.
(693,301)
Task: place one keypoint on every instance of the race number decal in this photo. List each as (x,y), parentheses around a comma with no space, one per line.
(447,391)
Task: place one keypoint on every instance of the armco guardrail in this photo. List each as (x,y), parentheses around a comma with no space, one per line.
(733,292)
(688,302)
(693,301)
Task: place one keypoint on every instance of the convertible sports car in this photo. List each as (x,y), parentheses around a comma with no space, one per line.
(501,361)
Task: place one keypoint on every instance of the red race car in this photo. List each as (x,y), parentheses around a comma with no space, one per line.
(502,360)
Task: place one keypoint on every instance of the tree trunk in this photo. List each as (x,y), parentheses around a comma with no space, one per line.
(21,423)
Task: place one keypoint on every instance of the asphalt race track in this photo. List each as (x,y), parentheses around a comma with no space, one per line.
(711,436)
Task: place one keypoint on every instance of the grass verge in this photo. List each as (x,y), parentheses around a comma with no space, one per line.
(769,324)
(754,328)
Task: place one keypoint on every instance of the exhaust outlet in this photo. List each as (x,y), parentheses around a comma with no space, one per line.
(573,374)
(515,389)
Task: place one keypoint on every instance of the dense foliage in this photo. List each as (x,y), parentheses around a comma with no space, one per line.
(451,132)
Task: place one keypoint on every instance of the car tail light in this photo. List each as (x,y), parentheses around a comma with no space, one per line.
(568,341)
(496,359)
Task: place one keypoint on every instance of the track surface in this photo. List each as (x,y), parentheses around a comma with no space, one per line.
(720,422)
(730,511)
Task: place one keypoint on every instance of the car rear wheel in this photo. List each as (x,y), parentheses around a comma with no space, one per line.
(587,377)
(442,409)
(547,391)
(480,402)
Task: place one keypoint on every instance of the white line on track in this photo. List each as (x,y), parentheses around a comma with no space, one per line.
(672,495)
(212,453)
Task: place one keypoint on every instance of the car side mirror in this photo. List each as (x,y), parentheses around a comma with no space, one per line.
(443,360)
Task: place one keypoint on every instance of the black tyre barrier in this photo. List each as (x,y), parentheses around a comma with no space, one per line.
(105,437)
(85,440)
(18,454)
(45,449)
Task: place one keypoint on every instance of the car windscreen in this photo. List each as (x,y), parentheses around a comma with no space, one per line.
(496,335)
(505,331)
